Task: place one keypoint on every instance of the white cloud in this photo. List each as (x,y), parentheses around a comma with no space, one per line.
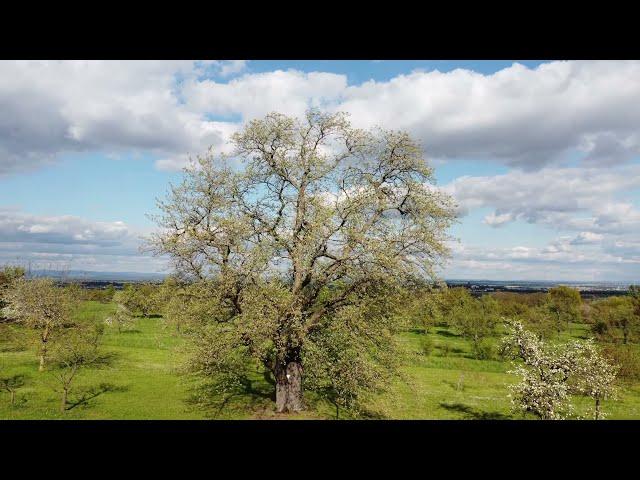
(519,116)
(255,95)
(71,242)
(555,197)
(560,260)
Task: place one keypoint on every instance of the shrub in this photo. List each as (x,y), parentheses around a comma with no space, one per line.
(626,358)
(483,350)
(426,345)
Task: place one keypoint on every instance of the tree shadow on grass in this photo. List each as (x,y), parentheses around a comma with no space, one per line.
(88,394)
(245,397)
(473,413)
(447,333)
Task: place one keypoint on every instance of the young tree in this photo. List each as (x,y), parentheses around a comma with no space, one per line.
(564,303)
(318,211)
(543,389)
(11,385)
(109,292)
(594,375)
(122,318)
(475,319)
(76,350)
(8,275)
(550,373)
(612,313)
(44,307)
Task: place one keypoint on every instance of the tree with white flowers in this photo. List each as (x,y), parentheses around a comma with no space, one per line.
(550,374)
(593,375)
(544,373)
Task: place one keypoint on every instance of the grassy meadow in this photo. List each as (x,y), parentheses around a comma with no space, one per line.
(442,381)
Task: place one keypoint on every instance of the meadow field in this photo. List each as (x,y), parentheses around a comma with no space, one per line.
(441,380)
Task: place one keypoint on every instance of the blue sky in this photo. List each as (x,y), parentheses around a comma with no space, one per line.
(542,157)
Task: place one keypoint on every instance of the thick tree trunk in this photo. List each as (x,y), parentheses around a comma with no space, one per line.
(289,386)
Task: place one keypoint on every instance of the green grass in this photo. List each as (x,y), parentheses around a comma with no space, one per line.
(144,383)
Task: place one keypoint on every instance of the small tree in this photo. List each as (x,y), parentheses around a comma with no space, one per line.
(593,375)
(109,292)
(76,350)
(11,385)
(550,373)
(544,373)
(475,319)
(540,321)
(617,312)
(44,307)
(8,275)
(564,303)
(122,318)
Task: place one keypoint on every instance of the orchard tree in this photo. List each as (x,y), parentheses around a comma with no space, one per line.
(122,318)
(594,375)
(316,212)
(544,374)
(77,349)
(551,373)
(564,303)
(615,312)
(11,385)
(8,275)
(41,305)
(475,319)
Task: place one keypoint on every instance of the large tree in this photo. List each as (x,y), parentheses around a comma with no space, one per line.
(298,224)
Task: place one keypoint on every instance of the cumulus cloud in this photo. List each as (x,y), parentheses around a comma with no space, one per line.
(519,116)
(72,242)
(559,260)
(48,108)
(563,198)
(529,119)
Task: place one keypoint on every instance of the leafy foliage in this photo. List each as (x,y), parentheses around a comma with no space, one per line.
(318,212)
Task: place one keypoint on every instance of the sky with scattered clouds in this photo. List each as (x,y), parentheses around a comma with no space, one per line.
(542,157)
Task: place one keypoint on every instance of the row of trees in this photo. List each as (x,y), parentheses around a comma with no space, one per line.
(64,344)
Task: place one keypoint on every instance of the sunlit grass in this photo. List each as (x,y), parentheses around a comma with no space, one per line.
(143,382)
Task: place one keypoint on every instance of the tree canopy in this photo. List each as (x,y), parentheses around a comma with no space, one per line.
(306,217)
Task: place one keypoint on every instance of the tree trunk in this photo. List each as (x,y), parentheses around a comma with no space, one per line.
(13,397)
(63,402)
(289,386)
(597,408)
(43,355)
(43,349)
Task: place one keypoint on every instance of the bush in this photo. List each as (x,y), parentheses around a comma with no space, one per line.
(445,349)
(483,350)
(627,358)
(426,345)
